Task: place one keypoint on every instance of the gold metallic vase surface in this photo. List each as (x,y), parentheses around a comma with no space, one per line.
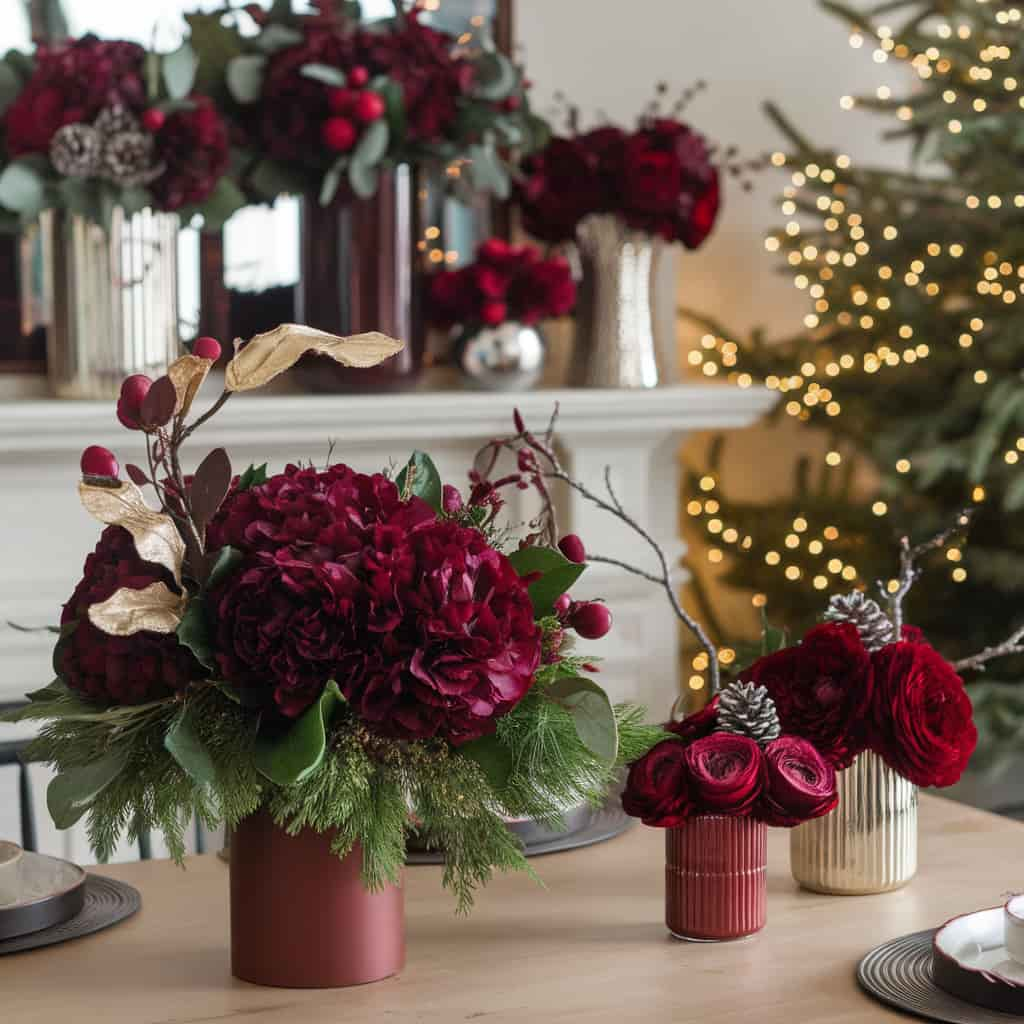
(106,297)
(868,844)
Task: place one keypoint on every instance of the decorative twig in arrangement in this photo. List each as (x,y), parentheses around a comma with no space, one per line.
(1013,644)
(537,464)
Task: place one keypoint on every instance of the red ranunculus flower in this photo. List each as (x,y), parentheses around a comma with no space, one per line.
(698,725)
(193,144)
(923,725)
(120,669)
(726,773)
(822,690)
(657,788)
(799,783)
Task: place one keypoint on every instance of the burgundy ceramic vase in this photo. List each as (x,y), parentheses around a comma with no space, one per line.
(716,878)
(300,917)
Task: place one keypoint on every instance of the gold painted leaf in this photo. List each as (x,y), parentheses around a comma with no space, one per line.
(155,535)
(187,375)
(270,354)
(129,611)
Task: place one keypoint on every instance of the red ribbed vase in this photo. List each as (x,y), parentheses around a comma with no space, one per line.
(300,917)
(716,878)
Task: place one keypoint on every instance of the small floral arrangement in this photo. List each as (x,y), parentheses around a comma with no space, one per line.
(327,100)
(506,283)
(350,651)
(660,179)
(90,125)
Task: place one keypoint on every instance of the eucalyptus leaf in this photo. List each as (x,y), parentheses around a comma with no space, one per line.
(557,575)
(363,180)
(488,171)
(244,76)
(496,76)
(592,714)
(71,793)
(419,478)
(22,189)
(332,76)
(214,43)
(332,181)
(295,755)
(373,144)
(276,36)
(495,760)
(184,745)
(179,71)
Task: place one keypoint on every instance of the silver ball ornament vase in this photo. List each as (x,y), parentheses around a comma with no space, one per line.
(507,357)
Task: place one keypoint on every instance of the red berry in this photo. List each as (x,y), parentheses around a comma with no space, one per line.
(133,390)
(493,250)
(493,313)
(562,605)
(358,76)
(591,620)
(341,101)
(369,107)
(338,133)
(572,547)
(512,102)
(153,119)
(207,348)
(99,461)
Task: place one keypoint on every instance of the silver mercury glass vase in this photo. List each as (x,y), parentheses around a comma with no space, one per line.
(106,297)
(625,307)
(868,844)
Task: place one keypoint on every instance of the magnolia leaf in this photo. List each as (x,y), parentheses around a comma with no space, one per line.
(155,534)
(290,758)
(557,575)
(194,633)
(22,189)
(269,354)
(209,487)
(127,611)
(179,71)
(592,714)
(253,477)
(69,795)
(244,76)
(224,563)
(182,742)
(324,73)
(494,759)
(419,478)
(187,374)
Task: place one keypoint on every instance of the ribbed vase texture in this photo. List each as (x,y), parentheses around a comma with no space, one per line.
(716,878)
(868,844)
(106,297)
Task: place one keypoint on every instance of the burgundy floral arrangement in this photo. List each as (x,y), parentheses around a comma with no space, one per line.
(505,283)
(90,125)
(370,653)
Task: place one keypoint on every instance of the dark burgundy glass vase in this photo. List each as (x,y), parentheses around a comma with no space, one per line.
(716,878)
(300,916)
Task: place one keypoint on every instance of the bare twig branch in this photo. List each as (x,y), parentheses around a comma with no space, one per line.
(1013,644)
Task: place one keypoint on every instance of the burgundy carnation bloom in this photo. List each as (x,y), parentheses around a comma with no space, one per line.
(657,789)
(120,669)
(822,690)
(698,725)
(72,82)
(799,783)
(560,186)
(923,724)
(727,773)
(193,144)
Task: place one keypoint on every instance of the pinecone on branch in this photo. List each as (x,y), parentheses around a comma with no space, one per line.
(746,709)
(875,628)
(129,159)
(76,150)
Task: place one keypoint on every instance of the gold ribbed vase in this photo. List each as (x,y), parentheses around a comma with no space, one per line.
(868,844)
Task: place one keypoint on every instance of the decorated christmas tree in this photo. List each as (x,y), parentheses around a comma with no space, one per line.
(911,356)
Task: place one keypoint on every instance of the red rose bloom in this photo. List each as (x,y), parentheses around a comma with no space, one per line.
(726,773)
(799,783)
(923,725)
(194,146)
(657,788)
(698,725)
(120,669)
(822,690)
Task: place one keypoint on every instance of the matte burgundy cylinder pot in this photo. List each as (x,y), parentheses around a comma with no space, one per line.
(300,916)
(716,878)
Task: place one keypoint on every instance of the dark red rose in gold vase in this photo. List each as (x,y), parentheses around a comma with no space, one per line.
(726,773)
(799,783)
(923,724)
(657,789)
(822,690)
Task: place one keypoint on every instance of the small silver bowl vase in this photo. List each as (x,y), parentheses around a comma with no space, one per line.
(509,357)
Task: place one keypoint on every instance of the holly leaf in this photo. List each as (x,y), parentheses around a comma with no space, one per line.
(294,756)
(592,714)
(557,575)
(252,477)
(194,633)
(184,745)
(494,759)
(419,478)
(178,70)
(71,793)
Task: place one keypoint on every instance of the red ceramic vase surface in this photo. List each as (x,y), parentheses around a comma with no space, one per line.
(300,916)
(716,878)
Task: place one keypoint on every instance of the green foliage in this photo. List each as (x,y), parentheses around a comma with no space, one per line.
(556,574)
(293,756)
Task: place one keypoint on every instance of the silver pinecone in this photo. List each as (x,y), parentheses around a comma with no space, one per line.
(115,120)
(875,628)
(746,709)
(76,150)
(129,159)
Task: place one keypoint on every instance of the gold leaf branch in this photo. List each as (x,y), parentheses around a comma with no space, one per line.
(187,374)
(129,611)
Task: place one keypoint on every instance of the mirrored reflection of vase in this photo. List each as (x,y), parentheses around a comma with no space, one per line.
(508,357)
(868,844)
(107,298)
(625,307)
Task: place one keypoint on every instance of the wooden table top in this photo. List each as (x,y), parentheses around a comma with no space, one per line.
(591,947)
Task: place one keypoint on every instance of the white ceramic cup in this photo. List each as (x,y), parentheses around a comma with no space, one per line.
(1013,912)
(10,876)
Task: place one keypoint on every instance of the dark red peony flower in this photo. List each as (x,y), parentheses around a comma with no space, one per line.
(657,788)
(822,690)
(193,144)
(727,773)
(799,783)
(120,669)
(72,82)
(698,725)
(561,185)
(923,725)
(703,214)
